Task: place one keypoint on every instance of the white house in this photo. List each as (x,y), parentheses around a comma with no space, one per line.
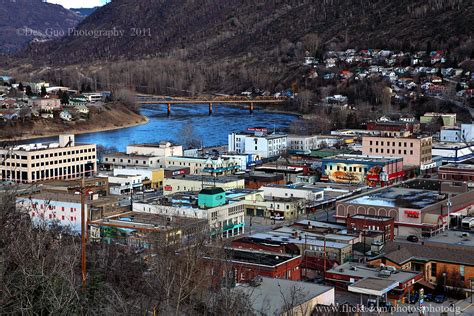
(465,134)
(65,115)
(300,143)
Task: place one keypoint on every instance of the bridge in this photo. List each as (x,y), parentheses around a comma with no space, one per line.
(144,99)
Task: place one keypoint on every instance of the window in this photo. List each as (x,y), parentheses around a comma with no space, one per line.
(433,269)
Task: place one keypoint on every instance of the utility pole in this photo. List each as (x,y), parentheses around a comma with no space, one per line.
(325,256)
(449,204)
(83,234)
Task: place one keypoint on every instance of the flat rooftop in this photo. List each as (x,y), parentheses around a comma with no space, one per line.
(361,271)
(258,257)
(147,221)
(451,237)
(287,231)
(296,186)
(372,217)
(375,284)
(125,155)
(206,180)
(450,145)
(266,298)
(296,240)
(459,166)
(361,158)
(319,224)
(398,197)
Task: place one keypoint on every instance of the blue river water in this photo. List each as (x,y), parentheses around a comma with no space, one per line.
(211,129)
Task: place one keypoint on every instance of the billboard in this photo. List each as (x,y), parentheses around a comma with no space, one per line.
(352,173)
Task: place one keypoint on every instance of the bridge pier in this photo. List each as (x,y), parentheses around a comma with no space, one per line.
(169,109)
(210,108)
(251,107)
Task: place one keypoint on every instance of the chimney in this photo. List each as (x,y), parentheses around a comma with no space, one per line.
(399,247)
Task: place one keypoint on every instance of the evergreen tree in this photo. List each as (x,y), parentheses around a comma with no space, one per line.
(28,91)
(43,91)
(64,98)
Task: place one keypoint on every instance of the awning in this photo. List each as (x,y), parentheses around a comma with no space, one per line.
(426,284)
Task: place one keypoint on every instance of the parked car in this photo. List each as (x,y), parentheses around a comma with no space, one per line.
(277,217)
(139,193)
(414,298)
(428,297)
(149,190)
(412,238)
(440,298)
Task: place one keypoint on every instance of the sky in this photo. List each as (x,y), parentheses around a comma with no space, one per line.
(79,3)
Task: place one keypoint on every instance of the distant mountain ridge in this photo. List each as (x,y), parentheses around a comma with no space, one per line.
(210,29)
(84,11)
(22,21)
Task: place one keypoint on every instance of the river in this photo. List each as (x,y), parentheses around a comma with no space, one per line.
(211,129)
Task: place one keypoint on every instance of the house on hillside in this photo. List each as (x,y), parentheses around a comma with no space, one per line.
(65,115)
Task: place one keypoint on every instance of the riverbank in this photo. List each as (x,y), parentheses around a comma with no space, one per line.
(108,117)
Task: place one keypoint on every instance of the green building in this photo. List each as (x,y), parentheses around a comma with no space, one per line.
(211,197)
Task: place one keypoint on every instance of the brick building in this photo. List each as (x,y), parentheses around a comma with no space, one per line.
(372,223)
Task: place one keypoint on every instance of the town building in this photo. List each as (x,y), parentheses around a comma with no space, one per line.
(94,185)
(360,169)
(397,125)
(415,150)
(449,119)
(225,218)
(162,149)
(304,144)
(255,180)
(45,104)
(372,223)
(121,184)
(456,172)
(197,183)
(64,209)
(459,134)
(145,231)
(258,142)
(245,265)
(123,160)
(452,152)
(398,282)
(419,207)
(268,296)
(448,263)
(48,161)
(205,166)
(151,178)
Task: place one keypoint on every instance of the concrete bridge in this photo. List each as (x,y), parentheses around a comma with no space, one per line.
(210,102)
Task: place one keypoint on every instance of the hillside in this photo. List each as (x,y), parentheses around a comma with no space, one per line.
(22,21)
(216,45)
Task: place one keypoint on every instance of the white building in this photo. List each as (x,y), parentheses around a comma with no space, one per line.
(162,149)
(465,133)
(292,191)
(49,208)
(298,143)
(121,160)
(197,183)
(123,184)
(47,161)
(228,219)
(205,166)
(260,143)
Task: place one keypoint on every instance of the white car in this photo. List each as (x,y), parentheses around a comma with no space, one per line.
(277,217)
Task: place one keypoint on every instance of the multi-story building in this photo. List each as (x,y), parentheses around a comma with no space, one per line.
(64,209)
(372,223)
(151,178)
(259,143)
(360,169)
(304,144)
(205,166)
(449,119)
(464,133)
(197,183)
(122,160)
(415,150)
(47,161)
(456,172)
(162,149)
(225,219)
